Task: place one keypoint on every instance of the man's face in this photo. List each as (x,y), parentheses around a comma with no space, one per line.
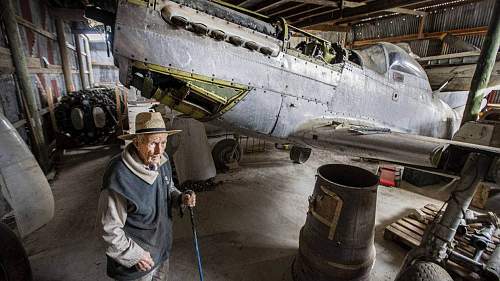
(151,147)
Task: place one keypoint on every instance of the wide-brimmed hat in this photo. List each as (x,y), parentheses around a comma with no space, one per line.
(149,123)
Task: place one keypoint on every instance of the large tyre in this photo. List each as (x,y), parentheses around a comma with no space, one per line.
(225,152)
(424,271)
(14,263)
(299,155)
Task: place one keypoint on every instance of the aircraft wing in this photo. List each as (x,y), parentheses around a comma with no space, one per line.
(384,144)
(458,77)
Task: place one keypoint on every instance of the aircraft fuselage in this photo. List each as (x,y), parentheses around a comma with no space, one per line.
(271,90)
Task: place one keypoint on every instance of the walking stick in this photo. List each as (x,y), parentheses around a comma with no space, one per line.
(195,241)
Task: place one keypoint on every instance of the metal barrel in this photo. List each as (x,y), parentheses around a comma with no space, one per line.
(337,240)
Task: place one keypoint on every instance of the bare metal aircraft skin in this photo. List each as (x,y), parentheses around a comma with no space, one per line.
(242,71)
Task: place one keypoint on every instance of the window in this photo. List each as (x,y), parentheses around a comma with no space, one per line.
(401,61)
(374,58)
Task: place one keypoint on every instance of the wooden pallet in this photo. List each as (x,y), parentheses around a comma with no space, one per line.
(408,233)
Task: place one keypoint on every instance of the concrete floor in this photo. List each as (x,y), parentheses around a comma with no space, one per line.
(248,226)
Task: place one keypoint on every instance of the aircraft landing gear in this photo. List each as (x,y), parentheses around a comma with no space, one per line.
(299,154)
(424,271)
(14,263)
(438,242)
(226,152)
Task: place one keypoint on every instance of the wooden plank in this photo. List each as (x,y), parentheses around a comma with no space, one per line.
(35,28)
(4,51)
(6,64)
(407,11)
(350,14)
(408,232)
(269,5)
(45,70)
(325,3)
(408,241)
(421,24)
(415,223)
(50,101)
(33,62)
(19,123)
(432,208)
(411,227)
(428,212)
(280,11)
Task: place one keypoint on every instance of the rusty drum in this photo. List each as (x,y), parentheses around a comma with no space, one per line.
(337,241)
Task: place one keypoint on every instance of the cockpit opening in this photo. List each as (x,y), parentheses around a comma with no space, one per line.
(400,60)
(386,56)
(315,47)
(373,58)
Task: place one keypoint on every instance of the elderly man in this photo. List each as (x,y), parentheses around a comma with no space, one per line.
(136,202)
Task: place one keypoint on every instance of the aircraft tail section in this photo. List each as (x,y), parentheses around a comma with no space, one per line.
(458,99)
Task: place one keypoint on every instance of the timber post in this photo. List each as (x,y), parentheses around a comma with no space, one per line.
(81,68)
(89,61)
(27,93)
(484,67)
(63,50)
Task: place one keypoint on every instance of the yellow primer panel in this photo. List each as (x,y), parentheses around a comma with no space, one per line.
(191,109)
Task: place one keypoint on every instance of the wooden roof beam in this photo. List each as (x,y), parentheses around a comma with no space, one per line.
(407,12)
(355,13)
(324,3)
(244,3)
(268,5)
(302,12)
(328,27)
(432,35)
(284,11)
(398,10)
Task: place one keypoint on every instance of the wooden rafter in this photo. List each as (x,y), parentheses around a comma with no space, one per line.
(268,5)
(278,12)
(302,12)
(407,12)
(244,3)
(324,3)
(432,35)
(329,27)
(356,13)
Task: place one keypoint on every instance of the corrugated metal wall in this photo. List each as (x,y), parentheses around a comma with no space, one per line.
(386,27)
(470,15)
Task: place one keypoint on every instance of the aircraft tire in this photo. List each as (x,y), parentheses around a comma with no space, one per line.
(222,153)
(299,155)
(424,271)
(14,262)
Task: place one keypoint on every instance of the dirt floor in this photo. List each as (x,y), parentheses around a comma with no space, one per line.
(248,226)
